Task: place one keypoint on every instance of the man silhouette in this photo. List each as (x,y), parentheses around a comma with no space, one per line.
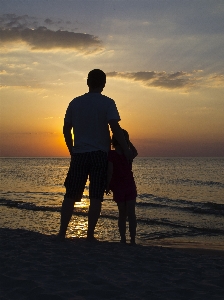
(89,116)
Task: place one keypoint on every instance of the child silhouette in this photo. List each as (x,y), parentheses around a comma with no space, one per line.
(121,182)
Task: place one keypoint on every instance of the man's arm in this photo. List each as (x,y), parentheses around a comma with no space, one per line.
(68,136)
(134,150)
(118,133)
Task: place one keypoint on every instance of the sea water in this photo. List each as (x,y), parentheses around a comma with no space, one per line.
(180,200)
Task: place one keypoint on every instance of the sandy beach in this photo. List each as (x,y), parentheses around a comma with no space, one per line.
(36,266)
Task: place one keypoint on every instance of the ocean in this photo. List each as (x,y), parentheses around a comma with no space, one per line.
(180,200)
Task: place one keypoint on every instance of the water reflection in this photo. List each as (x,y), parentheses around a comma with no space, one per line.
(84,203)
(77,228)
(78,225)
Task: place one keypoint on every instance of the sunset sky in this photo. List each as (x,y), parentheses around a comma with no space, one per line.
(164,61)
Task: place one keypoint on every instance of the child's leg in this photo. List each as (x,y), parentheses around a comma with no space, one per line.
(122,220)
(132,219)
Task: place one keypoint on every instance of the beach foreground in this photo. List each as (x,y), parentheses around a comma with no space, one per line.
(36,266)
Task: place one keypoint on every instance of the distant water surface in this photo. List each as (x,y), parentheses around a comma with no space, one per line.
(180,200)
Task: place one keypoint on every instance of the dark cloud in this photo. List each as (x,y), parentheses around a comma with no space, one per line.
(15,29)
(48,21)
(163,80)
(45,39)
(12,21)
(25,21)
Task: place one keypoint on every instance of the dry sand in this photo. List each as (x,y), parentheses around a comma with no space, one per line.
(36,266)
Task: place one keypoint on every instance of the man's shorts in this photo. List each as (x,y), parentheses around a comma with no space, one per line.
(92,164)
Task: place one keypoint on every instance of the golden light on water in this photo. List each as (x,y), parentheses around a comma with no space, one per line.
(78,225)
(78,229)
(84,203)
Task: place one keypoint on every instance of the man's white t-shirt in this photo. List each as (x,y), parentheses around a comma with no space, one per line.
(89,115)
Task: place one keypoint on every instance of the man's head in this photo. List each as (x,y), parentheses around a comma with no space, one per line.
(96,79)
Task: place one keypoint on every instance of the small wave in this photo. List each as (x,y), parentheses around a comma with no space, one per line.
(159,235)
(167,228)
(34,193)
(27,205)
(31,206)
(200,208)
(179,204)
(180,229)
(198,182)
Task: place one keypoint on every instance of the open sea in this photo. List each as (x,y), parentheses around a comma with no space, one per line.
(180,200)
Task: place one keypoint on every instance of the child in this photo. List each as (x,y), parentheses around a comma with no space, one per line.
(121,182)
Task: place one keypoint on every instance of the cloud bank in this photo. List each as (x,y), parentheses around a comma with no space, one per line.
(170,81)
(14,29)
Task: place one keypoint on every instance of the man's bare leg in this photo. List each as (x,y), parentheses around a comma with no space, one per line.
(93,216)
(66,214)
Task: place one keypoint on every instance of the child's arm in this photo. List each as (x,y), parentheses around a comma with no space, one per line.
(133,149)
(118,133)
(109,176)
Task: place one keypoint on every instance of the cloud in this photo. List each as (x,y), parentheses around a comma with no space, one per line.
(28,88)
(25,21)
(217,79)
(170,81)
(163,80)
(45,39)
(40,38)
(12,21)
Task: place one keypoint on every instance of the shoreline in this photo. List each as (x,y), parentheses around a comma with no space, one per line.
(196,247)
(196,250)
(190,247)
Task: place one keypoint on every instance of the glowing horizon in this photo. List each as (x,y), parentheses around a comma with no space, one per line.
(164,66)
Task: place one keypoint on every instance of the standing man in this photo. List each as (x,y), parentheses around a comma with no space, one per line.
(89,115)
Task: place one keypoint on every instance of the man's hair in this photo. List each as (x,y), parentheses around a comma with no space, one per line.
(96,78)
(115,143)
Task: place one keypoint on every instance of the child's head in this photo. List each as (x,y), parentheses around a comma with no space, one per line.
(96,78)
(115,143)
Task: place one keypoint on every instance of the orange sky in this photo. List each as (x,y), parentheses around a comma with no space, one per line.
(165,76)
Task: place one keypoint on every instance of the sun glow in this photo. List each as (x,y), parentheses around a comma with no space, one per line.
(169,93)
